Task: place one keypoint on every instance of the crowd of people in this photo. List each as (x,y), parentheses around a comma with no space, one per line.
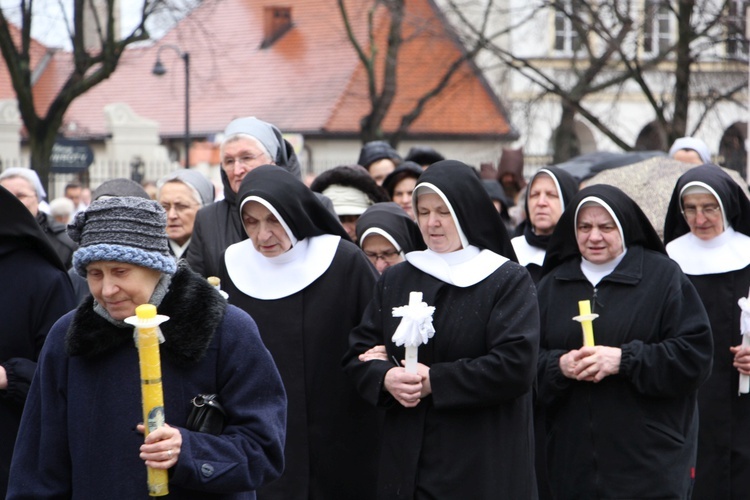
(404,328)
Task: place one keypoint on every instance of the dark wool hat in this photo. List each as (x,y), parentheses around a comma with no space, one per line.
(377,150)
(423,155)
(119,187)
(123,229)
(406,169)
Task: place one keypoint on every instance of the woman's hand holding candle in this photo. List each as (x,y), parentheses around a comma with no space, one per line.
(591,364)
(595,363)
(161,448)
(406,387)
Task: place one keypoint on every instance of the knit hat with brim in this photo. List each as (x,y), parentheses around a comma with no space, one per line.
(124,229)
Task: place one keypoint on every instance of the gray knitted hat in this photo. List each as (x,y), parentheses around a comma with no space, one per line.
(124,229)
(119,187)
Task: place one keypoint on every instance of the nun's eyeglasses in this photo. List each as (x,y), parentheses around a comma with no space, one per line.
(244,160)
(178,207)
(707,211)
(388,256)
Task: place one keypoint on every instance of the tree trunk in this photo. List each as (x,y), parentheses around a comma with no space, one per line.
(40,145)
(566,144)
(684,59)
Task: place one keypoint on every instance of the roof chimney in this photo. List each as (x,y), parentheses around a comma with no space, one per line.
(276,22)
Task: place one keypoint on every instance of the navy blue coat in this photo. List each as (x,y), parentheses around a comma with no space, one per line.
(78,436)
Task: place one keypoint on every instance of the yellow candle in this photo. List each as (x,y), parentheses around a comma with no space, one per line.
(151,390)
(584,309)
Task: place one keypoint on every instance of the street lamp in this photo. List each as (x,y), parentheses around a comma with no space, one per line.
(159,70)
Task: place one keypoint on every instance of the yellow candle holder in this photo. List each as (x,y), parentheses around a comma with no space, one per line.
(586,319)
(147,322)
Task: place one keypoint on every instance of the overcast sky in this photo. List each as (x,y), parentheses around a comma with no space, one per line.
(48,24)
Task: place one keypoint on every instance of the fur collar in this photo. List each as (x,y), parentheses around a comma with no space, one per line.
(195,310)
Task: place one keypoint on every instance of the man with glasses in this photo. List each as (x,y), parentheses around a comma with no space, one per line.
(248,143)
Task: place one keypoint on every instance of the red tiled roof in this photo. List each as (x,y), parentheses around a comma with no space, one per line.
(37,53)
(309,81)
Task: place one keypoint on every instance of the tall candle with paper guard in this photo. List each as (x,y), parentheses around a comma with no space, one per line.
(415,328)
(586,319)
(744,304)
(147,322)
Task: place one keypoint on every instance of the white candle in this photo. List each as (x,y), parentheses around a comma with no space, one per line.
(415,298)
(745,379)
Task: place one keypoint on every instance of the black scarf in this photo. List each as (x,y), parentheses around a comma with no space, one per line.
(735,204)
(568,188)
(636,227)
(477,216)
(195,311)
(392,219)
(301,210)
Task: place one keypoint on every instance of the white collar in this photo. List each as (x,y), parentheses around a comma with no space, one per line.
(595,272)
(179,249)
(274,278)
(527,254)
(462,268)
(730,251)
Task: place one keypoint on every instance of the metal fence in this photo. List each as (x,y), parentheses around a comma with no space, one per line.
(100,171)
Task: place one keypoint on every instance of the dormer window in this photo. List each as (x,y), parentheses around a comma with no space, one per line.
(276,22)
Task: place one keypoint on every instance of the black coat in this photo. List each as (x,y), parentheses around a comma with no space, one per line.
(332,437)
(36,292)
(472,437)
(724,438)
(634,434)
(58,238)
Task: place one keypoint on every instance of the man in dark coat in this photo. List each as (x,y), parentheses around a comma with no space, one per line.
(248,143)
(37,292)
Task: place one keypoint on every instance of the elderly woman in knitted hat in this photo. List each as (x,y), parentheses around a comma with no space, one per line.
(182,193)
(248,143)
(79,435)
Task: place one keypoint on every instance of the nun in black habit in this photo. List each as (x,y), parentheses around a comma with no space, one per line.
(622,419)
(707,231)
(548,191)
(386,233)
(306,285)
(461,427)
